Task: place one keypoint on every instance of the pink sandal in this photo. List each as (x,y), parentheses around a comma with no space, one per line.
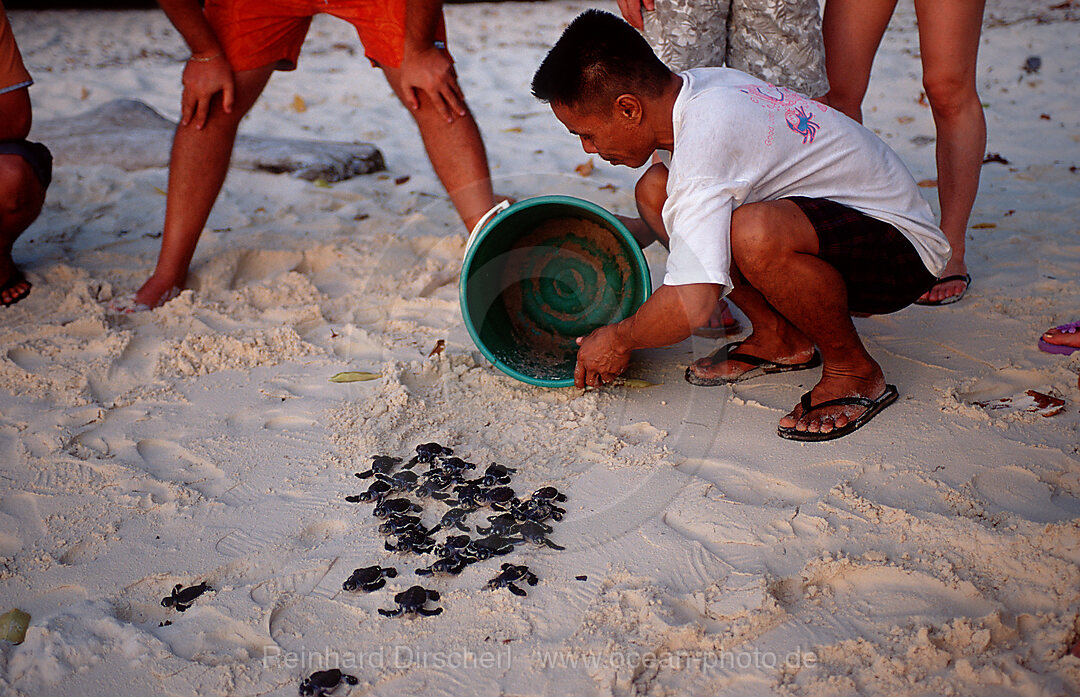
(1070,328)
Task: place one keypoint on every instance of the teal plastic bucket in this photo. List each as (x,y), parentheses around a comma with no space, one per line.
(539,274)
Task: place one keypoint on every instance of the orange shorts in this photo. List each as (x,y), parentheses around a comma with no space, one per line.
(255,33)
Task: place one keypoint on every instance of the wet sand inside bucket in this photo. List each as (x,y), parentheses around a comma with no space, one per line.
(560,281)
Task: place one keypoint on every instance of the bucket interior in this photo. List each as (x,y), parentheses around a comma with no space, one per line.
(543,274)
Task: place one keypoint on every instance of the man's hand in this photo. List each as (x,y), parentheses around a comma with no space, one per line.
(432,71)
(202,80)
(631,11)
(601,358)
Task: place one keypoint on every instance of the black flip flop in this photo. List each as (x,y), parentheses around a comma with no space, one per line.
(762,366)
(873,406)
(965,277)
(16,278)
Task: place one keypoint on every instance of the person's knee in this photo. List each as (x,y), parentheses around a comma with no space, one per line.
(753,239)
(651,189)
(949,92)
(17,182)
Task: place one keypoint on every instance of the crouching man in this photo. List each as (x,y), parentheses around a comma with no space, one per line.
(799,213)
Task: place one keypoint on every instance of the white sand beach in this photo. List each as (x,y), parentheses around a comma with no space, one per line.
(936,551)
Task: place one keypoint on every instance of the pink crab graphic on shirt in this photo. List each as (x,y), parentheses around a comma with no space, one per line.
(798,110)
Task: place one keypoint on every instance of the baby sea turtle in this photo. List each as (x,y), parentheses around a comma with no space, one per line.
(369,578)
(323,682)
(510,574)
(453,544)
(427,452)
(491,546)
(398,524)
(380,464)
(496,474)
(400,481)
(432,483)
(182,598)
(467,496)
(446,565)
(453,467)
(536,510)
(531,531)
(389,507)
(376,491)
(453,518)
(413,600)
(501,498)
(411,540)
(548,493)
(504,524)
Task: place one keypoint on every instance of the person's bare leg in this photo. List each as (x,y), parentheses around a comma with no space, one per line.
(457,155)
(852,31)
(949,44)
(197,168)
(773,338)
(21,198)
(775,247)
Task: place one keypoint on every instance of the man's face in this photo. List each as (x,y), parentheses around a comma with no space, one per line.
(617,136)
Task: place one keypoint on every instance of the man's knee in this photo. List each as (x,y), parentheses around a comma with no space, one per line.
(18,186)
(753,237)
(651,188)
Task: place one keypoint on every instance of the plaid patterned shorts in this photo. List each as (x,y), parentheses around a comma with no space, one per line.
(881,269)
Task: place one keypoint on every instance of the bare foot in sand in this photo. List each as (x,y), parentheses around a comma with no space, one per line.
(155,293)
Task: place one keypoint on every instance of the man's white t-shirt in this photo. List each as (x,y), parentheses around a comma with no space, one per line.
(740,140)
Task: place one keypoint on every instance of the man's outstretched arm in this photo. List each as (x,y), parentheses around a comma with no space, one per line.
(207,71)
(666,318)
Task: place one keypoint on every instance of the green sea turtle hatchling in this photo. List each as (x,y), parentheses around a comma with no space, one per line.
(531,531)
(510,574)
(182,598)
(375,492)
(395,507)
(412,601)
(369,578)
(380,464)
(323,682)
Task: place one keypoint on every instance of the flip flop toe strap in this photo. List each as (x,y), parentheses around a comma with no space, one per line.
(747,359)
(808,407)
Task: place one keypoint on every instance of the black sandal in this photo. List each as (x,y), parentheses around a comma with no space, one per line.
(873,407)
(762,366)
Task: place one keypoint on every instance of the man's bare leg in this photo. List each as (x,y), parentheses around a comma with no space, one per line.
(774,338)
(457,155)
(775,247)
(197,168)
(21,198)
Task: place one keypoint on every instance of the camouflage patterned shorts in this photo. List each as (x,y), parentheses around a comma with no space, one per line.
(778,41)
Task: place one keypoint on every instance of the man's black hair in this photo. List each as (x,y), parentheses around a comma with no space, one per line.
(598,58)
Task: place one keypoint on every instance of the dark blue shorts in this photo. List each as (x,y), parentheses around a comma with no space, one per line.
(881,269)
(36,155)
